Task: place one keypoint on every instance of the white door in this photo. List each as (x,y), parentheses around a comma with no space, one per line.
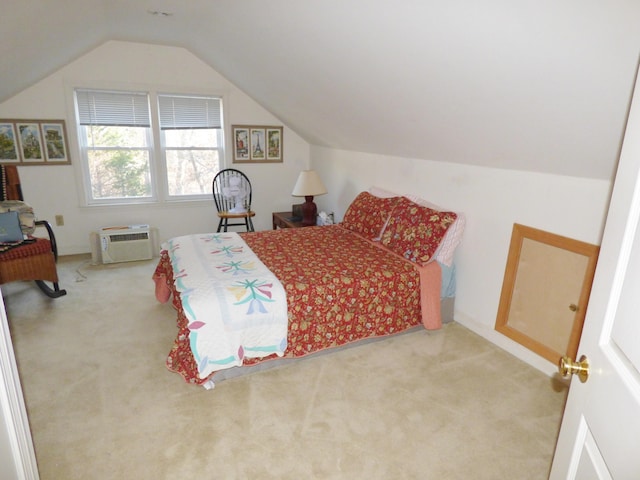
(600,432)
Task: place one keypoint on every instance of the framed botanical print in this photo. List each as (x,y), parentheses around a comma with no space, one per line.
(274,144)
(30,142)
(54,137)
(240,144)
(8,143)
(34,142)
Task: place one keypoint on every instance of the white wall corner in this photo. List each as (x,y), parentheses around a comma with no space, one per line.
(19,460)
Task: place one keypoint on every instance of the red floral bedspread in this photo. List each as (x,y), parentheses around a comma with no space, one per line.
(340,288)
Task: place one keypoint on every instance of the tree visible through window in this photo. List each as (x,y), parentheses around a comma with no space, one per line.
(192,140)
(118,161)
(116,140)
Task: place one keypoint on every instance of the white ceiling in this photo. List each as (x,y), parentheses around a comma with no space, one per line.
(538,85)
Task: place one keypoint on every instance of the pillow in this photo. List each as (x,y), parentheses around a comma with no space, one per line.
(452,238)
(415,232)
(25,214)
(381,192)
(367,214)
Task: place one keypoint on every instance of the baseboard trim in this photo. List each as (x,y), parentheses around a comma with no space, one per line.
(507,344)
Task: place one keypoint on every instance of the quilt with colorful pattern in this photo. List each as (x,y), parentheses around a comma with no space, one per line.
(235,308)
(340,288)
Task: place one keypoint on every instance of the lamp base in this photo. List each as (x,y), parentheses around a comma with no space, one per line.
(309,211)
(296,210)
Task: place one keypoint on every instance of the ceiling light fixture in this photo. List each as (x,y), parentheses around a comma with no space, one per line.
(159,13)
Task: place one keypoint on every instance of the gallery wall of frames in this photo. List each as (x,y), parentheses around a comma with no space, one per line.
(33,142)
(257,144)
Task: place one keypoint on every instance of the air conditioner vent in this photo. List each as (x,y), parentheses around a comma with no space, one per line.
(121,244)
(126,237)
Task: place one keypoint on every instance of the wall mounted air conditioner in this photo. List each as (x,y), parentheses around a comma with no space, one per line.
(121,244)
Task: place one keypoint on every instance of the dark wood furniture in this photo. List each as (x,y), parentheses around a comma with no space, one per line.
(283,220)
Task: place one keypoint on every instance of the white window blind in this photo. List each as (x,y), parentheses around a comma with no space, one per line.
(125,109)
(189,112)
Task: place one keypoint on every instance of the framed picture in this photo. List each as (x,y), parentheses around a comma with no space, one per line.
(30,142)
(257,144)
(34,142)
(55,141)
(274,144)
(240,144)
(8,143)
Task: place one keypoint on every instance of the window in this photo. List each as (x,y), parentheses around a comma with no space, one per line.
(117,146)
(192,142)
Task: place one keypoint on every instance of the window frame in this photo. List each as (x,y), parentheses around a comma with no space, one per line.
(86,173)
(155,145)
(163,148)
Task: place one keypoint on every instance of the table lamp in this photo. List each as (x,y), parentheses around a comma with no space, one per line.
(308,185)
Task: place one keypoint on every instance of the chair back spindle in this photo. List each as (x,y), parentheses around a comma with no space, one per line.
(232,194)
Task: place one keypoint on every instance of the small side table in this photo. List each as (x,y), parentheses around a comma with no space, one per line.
(283,220)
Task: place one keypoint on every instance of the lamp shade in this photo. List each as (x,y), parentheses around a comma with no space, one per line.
(308,184)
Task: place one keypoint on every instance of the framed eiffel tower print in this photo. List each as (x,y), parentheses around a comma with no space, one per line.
(257,144)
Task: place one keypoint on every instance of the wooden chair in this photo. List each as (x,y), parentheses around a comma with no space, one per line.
(232,194)
(35,259)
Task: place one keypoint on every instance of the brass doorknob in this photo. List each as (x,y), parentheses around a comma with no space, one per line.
(569,367)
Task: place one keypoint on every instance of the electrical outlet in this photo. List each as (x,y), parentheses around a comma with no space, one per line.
(59,220)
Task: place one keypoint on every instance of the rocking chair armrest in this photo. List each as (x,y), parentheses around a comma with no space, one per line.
(52,236)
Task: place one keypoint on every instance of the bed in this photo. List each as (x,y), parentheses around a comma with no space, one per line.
(249,300)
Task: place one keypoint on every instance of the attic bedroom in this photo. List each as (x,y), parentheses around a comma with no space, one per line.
(507,113)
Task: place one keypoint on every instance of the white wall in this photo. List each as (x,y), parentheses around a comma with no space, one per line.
(17,456)
(54,190)
(492,200)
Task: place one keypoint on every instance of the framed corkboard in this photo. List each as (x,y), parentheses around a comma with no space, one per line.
(545,291)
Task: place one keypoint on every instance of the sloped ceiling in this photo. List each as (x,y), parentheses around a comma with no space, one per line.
(537,85)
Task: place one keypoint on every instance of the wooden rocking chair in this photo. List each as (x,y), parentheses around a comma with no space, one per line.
(34,259)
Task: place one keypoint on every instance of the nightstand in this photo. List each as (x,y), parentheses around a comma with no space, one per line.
(283,220)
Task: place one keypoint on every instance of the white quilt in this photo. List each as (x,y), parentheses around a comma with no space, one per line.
(235,306)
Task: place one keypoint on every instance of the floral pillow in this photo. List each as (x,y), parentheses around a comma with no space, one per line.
(414,231)
(368,214)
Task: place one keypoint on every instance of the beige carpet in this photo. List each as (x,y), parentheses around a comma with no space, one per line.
(440,405)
